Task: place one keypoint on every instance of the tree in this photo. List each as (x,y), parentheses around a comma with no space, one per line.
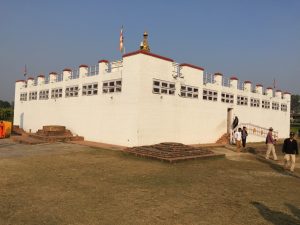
(6,111)
(6,114)
(4,104)
(295,104)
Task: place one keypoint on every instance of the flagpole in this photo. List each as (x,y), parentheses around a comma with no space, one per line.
(25,71)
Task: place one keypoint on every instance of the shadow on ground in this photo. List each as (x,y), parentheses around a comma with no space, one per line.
(276,167)
(277,217)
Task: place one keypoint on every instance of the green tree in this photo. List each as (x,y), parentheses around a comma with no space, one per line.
(6,111)
(6,114)
(4,104)
(295,104)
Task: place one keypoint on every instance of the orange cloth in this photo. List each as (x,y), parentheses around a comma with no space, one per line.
(2,134)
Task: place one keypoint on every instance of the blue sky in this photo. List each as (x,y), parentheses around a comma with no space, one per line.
(256,40)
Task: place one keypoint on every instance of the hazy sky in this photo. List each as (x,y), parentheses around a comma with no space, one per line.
(256,40)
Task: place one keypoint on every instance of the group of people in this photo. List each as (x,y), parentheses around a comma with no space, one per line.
(289,147)
(240,137)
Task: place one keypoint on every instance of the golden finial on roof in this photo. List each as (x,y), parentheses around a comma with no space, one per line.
(144,44)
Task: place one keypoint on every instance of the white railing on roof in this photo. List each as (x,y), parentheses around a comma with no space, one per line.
(59,77)
(240,85)
(115,66)
(226,82)
(208,78)
(93,71)
(74,74)
(176,70)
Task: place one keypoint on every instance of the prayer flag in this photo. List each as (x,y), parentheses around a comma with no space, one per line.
(121,41)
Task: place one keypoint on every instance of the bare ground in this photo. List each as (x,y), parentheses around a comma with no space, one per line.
(71,184)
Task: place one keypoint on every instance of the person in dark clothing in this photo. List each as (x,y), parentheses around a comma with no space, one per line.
(244,136)
(290,148)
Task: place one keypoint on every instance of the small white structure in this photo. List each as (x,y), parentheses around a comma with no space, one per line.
(146,99)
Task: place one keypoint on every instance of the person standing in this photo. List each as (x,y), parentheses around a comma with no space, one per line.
(270,141)
(238,138)
(244,136)
(290,148)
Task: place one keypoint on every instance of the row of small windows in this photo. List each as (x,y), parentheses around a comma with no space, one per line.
(210,95)
(165,87)
(226,97)
(90,89)
(254,102)
(159,87)
(242,100)
(265,104)
(56,93)
(112,86)
(189,91)
(73,91)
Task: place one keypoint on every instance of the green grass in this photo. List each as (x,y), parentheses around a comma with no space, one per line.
(295,128)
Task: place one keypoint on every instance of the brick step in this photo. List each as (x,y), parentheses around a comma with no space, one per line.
(172,155)
(62,138)
(51,133)
(224,139)
(26,140)
(170,151)
(17,130)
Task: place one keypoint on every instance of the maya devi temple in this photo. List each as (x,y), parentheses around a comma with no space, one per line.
(145,99)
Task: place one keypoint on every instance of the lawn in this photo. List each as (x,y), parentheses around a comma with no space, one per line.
(295,128)
(90,186)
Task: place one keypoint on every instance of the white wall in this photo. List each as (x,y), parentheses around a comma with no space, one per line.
(137,116)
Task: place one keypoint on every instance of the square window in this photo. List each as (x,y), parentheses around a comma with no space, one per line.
(156,83)
(156,90)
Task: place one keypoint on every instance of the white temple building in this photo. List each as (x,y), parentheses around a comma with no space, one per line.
(145,98)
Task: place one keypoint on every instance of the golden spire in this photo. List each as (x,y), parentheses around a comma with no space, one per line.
(144,44)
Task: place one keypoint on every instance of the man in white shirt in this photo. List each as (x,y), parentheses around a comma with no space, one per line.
(238,139)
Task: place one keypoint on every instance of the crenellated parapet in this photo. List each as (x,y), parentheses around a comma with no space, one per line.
(103,66)
(67,73)
(146,62)
(41,79)
(52,77)
(287,96)
(278,94)
(30,81)
(234,82)
(218,78)
(259,89)
(269,92)
(247,86)
(83,70)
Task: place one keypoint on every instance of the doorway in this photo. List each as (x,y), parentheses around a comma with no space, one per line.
(229,120)
(229,124)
